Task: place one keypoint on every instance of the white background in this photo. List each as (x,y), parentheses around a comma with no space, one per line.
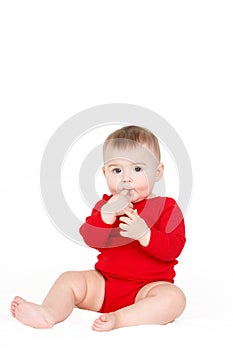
(61,57)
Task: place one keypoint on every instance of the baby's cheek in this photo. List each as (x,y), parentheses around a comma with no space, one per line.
(112,185)
(143,187)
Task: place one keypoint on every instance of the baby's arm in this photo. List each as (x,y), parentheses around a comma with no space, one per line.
(167,237)
(165,240)
(94,230)
(97,229)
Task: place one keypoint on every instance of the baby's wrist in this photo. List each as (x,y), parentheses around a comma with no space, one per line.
(108,218)
(144,240)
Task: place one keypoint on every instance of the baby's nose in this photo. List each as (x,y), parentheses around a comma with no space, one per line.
(126,176)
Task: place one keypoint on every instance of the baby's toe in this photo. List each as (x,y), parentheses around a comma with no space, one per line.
(19,300)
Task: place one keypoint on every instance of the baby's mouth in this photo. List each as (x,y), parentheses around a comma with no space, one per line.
(124,186)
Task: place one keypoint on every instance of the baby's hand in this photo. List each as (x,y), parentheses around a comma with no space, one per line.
(133,225)
(116,206)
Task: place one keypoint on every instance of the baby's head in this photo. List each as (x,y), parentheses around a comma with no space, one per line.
(132,159)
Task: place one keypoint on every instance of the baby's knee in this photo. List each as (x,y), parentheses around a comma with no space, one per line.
(178,300)
(181,296)
(65,275)
(69,277)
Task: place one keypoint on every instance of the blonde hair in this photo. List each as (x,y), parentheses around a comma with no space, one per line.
(130,136)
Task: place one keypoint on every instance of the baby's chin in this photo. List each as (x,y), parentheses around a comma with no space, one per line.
(139,198)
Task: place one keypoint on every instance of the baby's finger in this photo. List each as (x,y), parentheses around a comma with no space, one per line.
(132,214)
(124,234)
(123,227)
(125,219)
(130,207)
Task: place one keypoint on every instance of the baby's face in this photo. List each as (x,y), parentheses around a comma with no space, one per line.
(134,169)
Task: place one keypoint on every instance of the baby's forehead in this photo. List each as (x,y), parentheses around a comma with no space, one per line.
(138,154)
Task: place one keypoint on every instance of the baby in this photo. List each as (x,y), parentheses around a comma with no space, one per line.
(139,237)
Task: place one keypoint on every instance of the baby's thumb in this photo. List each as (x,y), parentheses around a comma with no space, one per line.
(124,192)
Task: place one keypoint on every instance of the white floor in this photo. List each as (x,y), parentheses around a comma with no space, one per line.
(73,335)
(211,331)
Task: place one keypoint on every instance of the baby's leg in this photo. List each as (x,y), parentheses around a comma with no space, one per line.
(84,289)
(156,303)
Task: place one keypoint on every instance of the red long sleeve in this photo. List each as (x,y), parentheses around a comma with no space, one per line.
(95,231)
(168,235)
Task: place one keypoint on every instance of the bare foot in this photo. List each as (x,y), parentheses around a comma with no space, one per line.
(31,314)
(106,322)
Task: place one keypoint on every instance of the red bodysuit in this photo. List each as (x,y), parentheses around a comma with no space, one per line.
(125,264)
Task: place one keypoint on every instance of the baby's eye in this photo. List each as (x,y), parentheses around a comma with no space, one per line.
(138,169)
(116,170)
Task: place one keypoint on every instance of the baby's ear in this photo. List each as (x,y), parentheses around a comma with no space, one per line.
(159,172)
(104,170)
